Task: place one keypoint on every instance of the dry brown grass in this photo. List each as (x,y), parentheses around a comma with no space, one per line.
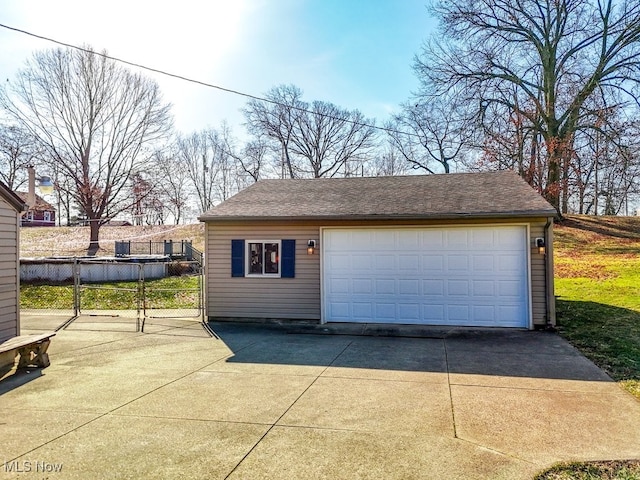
(73,241)
(581,241)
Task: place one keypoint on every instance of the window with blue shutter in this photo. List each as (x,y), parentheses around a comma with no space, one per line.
(268,258)
(237,258)
(288,259)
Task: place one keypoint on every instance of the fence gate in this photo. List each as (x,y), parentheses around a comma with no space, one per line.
(179,295)
(139,290)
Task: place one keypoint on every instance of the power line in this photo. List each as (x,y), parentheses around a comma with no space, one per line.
(202,83)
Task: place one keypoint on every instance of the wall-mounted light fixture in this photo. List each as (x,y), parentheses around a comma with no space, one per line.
(311,247)
(540,244)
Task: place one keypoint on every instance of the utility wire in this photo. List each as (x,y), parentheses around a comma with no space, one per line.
(204,84)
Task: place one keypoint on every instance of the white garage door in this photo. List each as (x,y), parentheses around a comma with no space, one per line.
(471,276)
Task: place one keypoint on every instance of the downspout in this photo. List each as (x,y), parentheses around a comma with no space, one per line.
(550,312)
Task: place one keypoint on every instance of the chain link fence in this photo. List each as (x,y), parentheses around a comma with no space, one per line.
(72,287)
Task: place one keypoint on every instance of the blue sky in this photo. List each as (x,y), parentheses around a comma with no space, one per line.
(354,53)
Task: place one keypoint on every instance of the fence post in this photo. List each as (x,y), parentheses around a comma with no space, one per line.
(168,247)
(141,299)
(76,287)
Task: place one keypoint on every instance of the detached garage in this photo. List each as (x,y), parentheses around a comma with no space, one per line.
(470,249)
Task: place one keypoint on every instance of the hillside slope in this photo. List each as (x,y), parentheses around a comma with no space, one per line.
(48,241)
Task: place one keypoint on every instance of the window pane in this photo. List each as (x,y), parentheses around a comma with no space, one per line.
(271,258)
(255,258)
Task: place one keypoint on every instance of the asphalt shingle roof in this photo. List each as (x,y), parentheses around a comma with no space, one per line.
(490,194)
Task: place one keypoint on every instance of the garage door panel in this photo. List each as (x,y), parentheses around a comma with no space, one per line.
(484,314)
(458,288)
(340,311)
(483,263)
(484,288)
(362,263)
(409,287)
(411,240)
(458,314)
(457,238)
(384,239)
(385,286)
(432,239)
(362,286)
(362,310)
(510,263)
(509,289)
(385,312)
(483,239)
(339,286)
(385,262)
(506,240)
(458,262)
(433,287)
(433,313)
(473,276)
(432,263)
(409,311)
(340,263)
(409,263)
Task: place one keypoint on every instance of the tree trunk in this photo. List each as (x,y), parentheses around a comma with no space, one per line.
(94,229)
(552,192)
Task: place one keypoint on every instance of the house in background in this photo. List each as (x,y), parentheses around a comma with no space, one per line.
(11,206)
(42,214)
(464,249)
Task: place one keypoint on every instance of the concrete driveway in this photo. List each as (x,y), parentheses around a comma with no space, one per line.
(266,402)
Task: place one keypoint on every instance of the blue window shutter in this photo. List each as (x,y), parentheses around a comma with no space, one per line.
(288,262)
(237,258)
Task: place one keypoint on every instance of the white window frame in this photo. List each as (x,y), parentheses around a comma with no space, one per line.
(30,216)
(247,259)
(47,216)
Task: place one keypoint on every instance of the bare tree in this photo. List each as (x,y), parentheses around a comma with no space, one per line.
(429,134)
(331,140)
(172,182)
(96,121)
(18,150)
(316,139)
(388,161)
(554,53)
(253,159)
(275,119)
(209,161)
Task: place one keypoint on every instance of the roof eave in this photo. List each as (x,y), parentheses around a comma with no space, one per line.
(444,216)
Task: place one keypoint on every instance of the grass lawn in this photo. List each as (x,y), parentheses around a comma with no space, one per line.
(170,292)
(597,282)
(597,269)
(629,470)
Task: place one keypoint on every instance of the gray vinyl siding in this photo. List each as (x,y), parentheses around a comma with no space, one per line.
(299,297)
(9,294)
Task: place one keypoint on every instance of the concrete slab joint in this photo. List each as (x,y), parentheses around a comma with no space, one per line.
(270,402)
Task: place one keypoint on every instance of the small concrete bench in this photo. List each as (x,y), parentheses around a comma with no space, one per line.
(32,349)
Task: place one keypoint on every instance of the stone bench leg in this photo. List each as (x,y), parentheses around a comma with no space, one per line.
(35,354)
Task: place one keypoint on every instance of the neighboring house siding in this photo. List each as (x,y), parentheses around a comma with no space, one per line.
(8,271)
(299,297)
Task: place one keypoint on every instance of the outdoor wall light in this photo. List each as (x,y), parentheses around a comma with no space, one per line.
(541,246)
(311,247)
